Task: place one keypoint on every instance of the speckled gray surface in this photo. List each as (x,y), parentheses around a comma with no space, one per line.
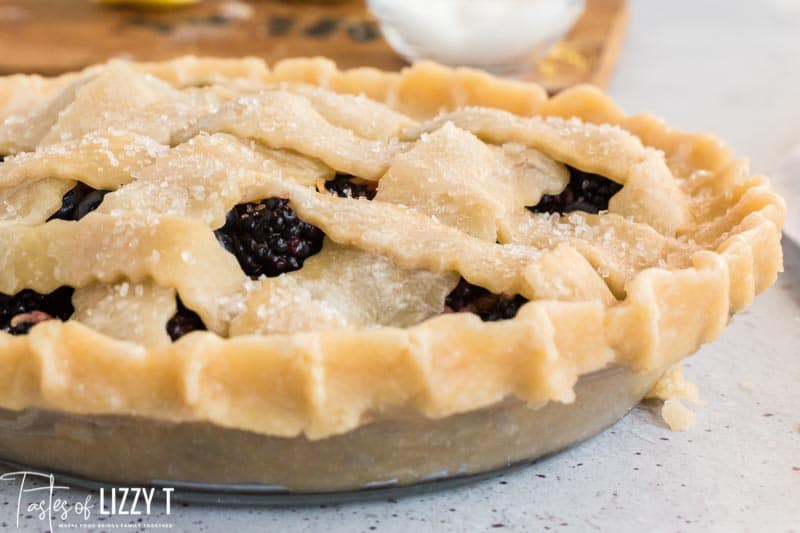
(734,70)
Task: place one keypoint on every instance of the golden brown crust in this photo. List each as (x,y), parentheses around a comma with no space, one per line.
(709,252)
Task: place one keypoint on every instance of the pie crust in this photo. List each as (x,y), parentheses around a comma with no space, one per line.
(357,334)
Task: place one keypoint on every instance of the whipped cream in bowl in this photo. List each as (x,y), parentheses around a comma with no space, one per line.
(500,36)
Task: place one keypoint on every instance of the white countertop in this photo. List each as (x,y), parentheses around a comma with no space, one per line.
(732,68)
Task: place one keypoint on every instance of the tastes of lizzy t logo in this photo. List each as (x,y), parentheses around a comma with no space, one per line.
(38,496)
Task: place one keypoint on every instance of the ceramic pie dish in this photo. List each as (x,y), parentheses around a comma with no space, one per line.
(300,258)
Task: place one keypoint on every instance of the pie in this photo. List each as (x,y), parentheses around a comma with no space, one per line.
(303,250)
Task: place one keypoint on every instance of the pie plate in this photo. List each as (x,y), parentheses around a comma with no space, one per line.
(208,463)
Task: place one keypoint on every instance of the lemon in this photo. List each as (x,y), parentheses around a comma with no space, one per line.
(149,3)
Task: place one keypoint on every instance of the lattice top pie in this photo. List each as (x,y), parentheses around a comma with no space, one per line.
(302,250)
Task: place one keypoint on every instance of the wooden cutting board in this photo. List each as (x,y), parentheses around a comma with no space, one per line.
(53,36)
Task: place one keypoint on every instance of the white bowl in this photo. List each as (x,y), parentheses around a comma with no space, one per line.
(501,36)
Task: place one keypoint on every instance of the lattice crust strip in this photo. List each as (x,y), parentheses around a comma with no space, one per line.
(455,156)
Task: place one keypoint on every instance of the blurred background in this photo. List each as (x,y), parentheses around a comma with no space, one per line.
(555,42)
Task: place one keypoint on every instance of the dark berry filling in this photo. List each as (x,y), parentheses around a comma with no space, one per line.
(20,312)
(585,192)
(348,186)
(469,298)
(78,202)
(184,321)
(268,238)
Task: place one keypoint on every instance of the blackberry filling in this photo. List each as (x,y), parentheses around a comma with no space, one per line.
(184,321)
(585,192)
(79,202)
(348,186)
(469,298)
(268,238)
(20,312)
